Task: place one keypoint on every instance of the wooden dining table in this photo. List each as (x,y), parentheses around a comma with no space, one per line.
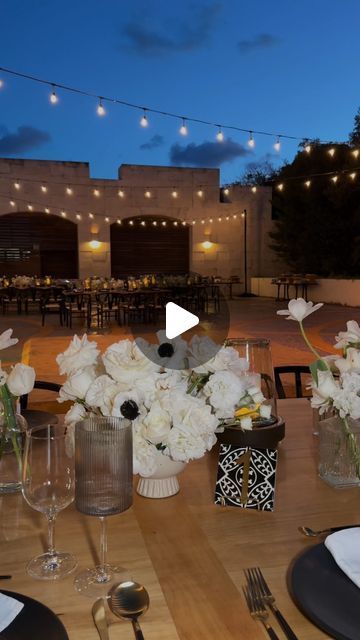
(187,551)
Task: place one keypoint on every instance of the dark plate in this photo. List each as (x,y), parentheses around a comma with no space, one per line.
(325,594)
(34,622)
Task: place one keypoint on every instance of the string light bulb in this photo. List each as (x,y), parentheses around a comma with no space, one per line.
(277,145)
(184,223)
(53,97)
(200,193)
(355,153)
(118,221)
(174,193)
(143,223)
(219,218)
(121,193)
(234,216)
(226,191)
(154,223)
(47,210)
(194,222)
(220,135)
(63,214)
(280,186)
(17,185)
(307,147)
(335,179)
(96,193)
(100,109)
(147,193)
(183,129)
(308,184)
(30,207)
(251,141)
(78,216)
(107,219)
(144,122)
(210,220)
(44,188)
(175,223)
(331,152)
(12,203)
(353,175)
(203,221)
(69,191)
(254,189)
(91,216)
(131,223)
(164,223)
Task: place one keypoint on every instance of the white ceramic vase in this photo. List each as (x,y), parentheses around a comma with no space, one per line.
(163,483)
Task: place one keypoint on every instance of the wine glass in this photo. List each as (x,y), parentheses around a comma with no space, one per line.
(48,486)
(103,470)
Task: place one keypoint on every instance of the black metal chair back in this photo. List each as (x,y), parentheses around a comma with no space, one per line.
(297,371)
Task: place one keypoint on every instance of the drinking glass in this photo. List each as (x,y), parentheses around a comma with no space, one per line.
(103,471)
(48,486)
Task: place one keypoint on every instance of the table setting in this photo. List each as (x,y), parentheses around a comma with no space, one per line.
(292,571)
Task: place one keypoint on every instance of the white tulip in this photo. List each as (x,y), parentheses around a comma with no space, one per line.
(6,340)
(298,309)
(21,379)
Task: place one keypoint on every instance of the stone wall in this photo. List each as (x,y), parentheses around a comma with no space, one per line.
(101,199)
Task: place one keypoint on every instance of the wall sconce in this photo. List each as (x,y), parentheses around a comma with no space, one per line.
(94,242)
(207,245)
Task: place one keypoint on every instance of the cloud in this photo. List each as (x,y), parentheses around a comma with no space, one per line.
(261,41)
(207,154)
(155,142)
(187,35)
(24,139)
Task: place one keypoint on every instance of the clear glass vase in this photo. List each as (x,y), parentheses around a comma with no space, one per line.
(339,452)
(11,447)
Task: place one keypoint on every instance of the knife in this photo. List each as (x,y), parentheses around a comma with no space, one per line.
(99,617)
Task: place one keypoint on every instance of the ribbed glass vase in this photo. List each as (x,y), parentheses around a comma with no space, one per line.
(339,452)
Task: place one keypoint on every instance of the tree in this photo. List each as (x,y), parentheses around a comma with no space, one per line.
(354,136)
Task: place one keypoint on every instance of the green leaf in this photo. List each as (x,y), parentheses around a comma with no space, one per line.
(318,365)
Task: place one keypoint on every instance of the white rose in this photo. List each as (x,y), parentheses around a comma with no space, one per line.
(75,414)
(224,390)
(299,309)
(228,359)
(157,424)
(6,340)
(77,385)
(124,362)
(101,394)
(21,379)
(80,353)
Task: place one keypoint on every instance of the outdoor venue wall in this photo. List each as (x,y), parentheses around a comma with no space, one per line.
(224,258)
(330,290)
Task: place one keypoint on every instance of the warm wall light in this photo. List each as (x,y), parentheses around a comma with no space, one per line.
(95,244)
(207,244)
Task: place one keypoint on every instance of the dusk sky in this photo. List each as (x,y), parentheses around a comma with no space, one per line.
(283,66)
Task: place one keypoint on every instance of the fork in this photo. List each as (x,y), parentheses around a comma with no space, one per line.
(258,610)
(256,580)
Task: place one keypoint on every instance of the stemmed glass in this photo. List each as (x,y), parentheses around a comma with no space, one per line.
(48,486)
(103,469)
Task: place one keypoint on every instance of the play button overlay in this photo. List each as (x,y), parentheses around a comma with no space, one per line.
(180,324)
(178,320)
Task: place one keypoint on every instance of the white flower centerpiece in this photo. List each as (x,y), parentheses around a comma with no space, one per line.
(19,381)
(174,412)
(335,385)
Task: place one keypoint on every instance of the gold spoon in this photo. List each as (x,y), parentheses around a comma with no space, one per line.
(129,600)
(311,533)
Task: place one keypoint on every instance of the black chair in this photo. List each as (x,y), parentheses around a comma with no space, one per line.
(35,417)
(297,371)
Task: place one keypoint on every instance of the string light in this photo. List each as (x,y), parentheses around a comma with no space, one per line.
(100,109)
(251,141)
(226,191)
(331,152)
(119,221)
(47,210)
(12,203)
(69,191)
(335,179)
(227,218)
(280,186)
(154,223)
(63,214)
(144,122)
(203,221)
(210,220)
(194,222)
(143,223)
(147,193)
(254,189)
(220,219)
(353,175)
(175,223)
(131,223)
(53,97)
(183,223)
(1,83)
(43,188)
(96,193)
(355,153)
(30,207)
(164,223)
(107,219)
(200,193)
(91,216)
(307,147)
(78,216)
(308,183)
(234,216)
(17,185)
(183,129)
(121,193)
(174,193)
(220,135)
(277,145)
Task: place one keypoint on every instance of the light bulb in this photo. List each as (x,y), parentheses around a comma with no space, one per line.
(220,136)
(100,109)
(96,193)
(353,175)
(194,221)
(210,220)
(335,179)
(147,193)
(226,191)
(95,244)
(254,189)
(131,223)
(154,223)
(63,213)
(174,193)
(183,129)
(107,219)
(30,207)
(53,97)
(307,148)
(78,216)
(17,185)
(331,151)
(219,218)
(202,221)
(121,194)
(43,188)
(47,210)
(143,223)
(12,203)
(175,223)
(144,122)
(308,183)
(91,215)
(251,141)
(228,218)
(200,193)
(118,221)
(355,153)
(164,223)
(183,223)
(280,186)
(234,216)
(69,191)
(277,145)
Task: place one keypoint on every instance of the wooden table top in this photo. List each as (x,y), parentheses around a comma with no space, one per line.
(189,553)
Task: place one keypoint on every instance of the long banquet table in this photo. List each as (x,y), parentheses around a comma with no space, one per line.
(189,553)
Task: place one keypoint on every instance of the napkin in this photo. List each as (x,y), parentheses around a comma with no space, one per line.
(9,609)
(344,546)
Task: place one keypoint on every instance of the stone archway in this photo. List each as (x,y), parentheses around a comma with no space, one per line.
(137,249)
(34,243)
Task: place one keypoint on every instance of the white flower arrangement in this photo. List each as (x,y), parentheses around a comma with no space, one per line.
(335,381)
(174,411)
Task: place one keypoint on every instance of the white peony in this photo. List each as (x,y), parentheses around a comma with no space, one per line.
(80,353)
(6,340)
(157,424)
(125,362)
(101,393)
(21,379)
(298,309)
(349,337)
(228,359)
(224,390)
(77,385)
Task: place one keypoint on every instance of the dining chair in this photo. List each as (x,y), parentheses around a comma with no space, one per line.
(36,417)
(294,373)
